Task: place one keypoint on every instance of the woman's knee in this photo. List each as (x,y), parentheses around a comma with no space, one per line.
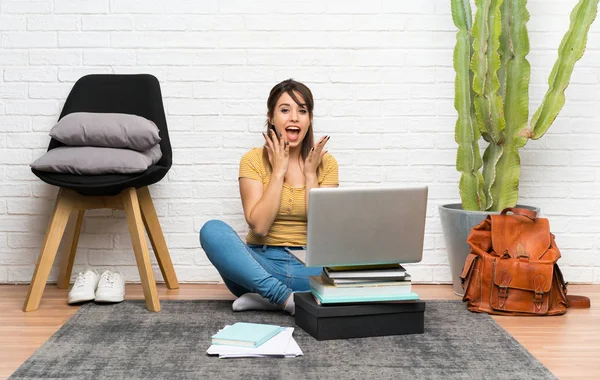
(213,231)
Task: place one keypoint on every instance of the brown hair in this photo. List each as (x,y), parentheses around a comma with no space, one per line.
(291,87)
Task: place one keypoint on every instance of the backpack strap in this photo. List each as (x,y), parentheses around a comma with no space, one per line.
(520,211)
(578,302)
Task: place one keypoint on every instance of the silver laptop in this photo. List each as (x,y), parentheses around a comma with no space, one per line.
(361,226)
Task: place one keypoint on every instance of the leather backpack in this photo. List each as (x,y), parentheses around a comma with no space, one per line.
(512,267)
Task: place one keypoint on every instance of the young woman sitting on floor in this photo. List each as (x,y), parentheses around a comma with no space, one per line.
(274,186)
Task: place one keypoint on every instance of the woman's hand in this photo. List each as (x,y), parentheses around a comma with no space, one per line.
(313,160)
(279,152)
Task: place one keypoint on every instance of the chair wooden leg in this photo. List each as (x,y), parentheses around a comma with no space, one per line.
(56,229)
(67,264)
(140,247)
(157,238)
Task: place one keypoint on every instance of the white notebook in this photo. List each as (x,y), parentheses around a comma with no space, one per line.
(281,345)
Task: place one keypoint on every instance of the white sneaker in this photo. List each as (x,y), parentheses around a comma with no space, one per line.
(84,287)
(111,287)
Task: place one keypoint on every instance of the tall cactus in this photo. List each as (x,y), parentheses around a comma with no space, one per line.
(468,160)
(492,94)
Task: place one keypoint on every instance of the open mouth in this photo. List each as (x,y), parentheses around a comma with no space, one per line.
(292,133)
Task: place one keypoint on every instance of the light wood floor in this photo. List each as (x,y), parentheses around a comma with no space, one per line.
(568,345)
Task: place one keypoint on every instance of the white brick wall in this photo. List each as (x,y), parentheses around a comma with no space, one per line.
(382,77)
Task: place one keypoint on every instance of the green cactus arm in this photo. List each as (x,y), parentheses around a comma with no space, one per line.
(491,156)
(505,50)
(489,109)
(461,14)
(479,66)
(492,86)
(485,65)
(468,158)
(518,71)
(505,189)
(570,51)
(469,182)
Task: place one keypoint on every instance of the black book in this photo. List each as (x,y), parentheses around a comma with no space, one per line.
(396,272)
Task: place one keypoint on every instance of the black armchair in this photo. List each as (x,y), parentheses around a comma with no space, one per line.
(132,94)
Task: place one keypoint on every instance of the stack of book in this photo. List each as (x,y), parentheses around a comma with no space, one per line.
(360,284)
(254,340)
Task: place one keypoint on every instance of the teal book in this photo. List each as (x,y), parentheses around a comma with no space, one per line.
(246,334)
(412,296)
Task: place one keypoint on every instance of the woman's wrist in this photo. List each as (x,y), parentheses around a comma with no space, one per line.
(310,175)
(311,180)
(277,177)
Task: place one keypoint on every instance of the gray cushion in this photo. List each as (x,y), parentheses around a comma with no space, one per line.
(89,160)
(110,130)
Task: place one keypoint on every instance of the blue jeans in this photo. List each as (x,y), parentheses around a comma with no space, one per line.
(246,268)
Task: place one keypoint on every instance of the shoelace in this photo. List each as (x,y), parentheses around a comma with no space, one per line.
(81,280)
(109,280)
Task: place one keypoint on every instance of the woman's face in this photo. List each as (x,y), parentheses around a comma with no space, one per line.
(290,119)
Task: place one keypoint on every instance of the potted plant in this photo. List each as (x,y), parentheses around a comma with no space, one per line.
(492,101)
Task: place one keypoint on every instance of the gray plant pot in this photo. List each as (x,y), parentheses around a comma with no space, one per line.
(457,224)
